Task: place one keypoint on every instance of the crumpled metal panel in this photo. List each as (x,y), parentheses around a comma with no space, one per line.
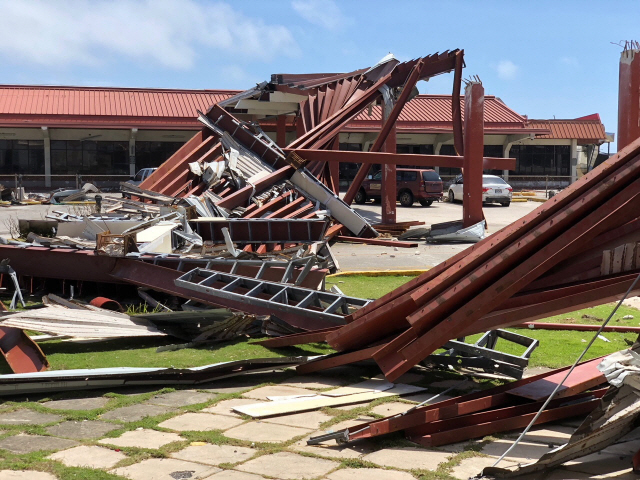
(87,379)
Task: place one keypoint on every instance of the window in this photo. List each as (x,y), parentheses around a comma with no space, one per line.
(348,171)
(408,176)
(431,176)
(22,156)
(493,180)
(154,154)
(89,157)
(541,160)
(448,150)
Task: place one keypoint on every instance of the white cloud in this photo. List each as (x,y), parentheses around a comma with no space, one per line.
(324,13)
(164,32)
(507,70)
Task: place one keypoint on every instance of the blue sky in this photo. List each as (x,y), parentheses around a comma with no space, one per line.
(543,58)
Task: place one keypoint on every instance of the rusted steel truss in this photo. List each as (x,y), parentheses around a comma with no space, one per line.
(492,411)
(523,272)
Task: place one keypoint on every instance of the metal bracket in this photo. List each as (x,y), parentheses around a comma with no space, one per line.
(484,356)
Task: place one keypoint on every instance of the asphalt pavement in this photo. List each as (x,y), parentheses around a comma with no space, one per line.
(357,257)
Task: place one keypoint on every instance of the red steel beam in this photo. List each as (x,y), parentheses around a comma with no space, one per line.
(374,320)
(297,338)
(387,127)
(167,167)
(495,421)
(558,306)
(243,195)
(453,407)
(21,353)
(270,205)
(334,168)
(302,210)
(583,377)
(456,112)
(482,303)
(532,239)
(473,153)
(336,360)
(629,97)
(420,160)
(288,208)
(543,259)
(281,131)
(389,190)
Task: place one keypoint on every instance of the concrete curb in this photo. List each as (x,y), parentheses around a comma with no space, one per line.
(379,273)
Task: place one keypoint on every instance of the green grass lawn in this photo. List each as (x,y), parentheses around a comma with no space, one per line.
(557,348)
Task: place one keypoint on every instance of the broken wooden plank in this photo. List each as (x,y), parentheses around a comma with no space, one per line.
(305,404)
(371,385)
(78,323)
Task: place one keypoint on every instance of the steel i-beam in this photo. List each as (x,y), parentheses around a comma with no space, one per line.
(389,192)
(473,154)
(629,97)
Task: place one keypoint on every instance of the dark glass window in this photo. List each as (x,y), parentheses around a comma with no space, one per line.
(552,160)
(408,176)
(22,156)
(89,157)
(430,176)
(448,171)
(154,154)
(349,170)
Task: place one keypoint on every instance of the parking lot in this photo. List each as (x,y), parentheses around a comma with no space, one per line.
(358,257)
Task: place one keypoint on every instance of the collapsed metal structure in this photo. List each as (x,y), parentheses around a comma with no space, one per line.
(578,249)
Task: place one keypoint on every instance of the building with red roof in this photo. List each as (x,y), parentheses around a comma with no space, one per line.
(51,134)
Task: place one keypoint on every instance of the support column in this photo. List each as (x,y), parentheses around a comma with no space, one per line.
(281,131)
(473,154)
(505,154)
(299,127)
(628,98)
(440,140)
(334,167)
(132,151)
(574,160)
(389,187)
(47,156)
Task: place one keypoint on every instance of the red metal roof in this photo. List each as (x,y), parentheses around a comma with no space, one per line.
(103,107)
(432,114)
(107,107)
(585,130)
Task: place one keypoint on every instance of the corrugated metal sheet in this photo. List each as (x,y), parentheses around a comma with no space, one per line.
(75,104)
(572,128)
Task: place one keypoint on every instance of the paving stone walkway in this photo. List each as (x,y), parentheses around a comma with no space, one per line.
(195,434)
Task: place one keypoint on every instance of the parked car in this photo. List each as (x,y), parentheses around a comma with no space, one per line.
(494,189)
(141,176)
(423,185)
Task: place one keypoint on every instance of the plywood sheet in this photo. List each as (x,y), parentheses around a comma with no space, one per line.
(305,404)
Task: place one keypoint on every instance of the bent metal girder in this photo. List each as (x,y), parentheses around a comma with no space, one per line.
(270,296)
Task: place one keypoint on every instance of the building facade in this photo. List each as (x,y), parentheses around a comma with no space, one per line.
(59,136)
